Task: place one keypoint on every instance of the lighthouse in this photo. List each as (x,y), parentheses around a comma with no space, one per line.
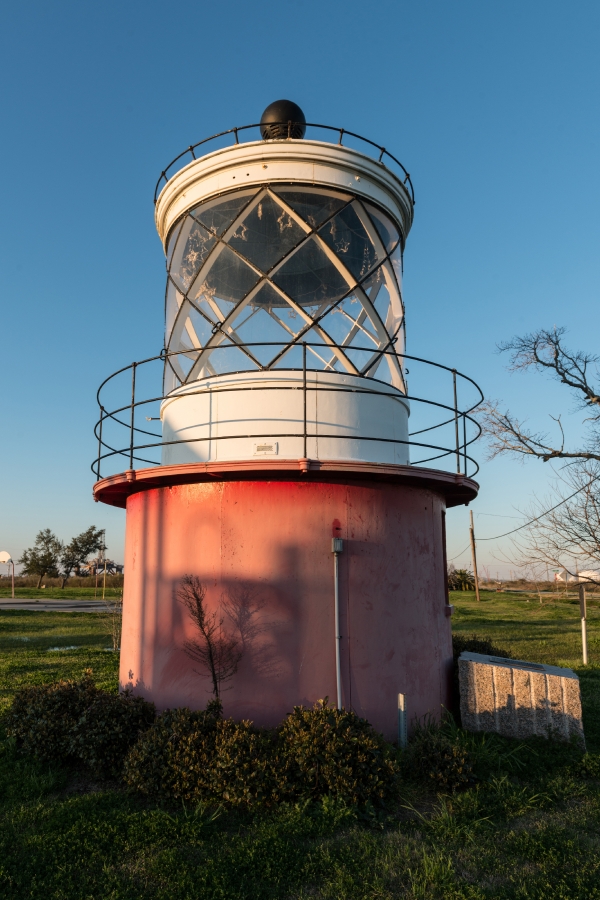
(277,469)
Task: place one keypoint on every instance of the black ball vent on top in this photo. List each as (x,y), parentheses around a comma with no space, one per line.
(282,119)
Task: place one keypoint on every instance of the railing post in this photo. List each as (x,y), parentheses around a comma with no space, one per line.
(304,394)
(465,441)
(456,422)
(100,441)
(133,368)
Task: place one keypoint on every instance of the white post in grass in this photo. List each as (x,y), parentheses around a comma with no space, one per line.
(402,721)
(583,610)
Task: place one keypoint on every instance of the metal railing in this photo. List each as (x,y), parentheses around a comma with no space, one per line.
(381,155)
(463,428)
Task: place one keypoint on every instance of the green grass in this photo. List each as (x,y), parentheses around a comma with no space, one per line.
(55,593)
(548,633)
(26,658)
(528,833)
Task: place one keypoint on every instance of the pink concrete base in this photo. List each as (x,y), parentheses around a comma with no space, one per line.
(263,550)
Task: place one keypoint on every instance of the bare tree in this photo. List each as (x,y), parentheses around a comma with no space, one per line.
(545,352)
(113,618)
(563,529)
(217,652)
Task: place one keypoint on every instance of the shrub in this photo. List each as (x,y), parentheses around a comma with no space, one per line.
(108,728)
(460,580)
(77,720)
(244,770)
(435,758)
(171,760)
(470,643)
(589,766)
(43,718)
(200,757)
(325,751)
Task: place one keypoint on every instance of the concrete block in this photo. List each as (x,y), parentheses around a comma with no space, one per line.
(518,699)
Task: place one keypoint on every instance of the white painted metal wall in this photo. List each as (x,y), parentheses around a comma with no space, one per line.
(212,422)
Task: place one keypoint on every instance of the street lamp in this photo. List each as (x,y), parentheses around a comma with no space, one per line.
(6,559)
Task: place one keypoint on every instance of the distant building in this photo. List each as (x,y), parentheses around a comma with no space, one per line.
(586,576)
(96,566)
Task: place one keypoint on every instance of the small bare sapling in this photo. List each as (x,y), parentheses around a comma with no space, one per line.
(215,651)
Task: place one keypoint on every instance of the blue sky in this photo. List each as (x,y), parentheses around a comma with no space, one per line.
(493,108)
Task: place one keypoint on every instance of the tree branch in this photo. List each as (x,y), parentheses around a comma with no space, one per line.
(544,352)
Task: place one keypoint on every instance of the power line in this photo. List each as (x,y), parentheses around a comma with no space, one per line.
(459,554)
(537,518)
(496,515)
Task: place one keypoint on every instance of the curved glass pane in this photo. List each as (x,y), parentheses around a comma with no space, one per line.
(193,246)
(226,358)
(217,215)
(224,282)
(396,259)
(314,204)
(386,229)
(173,302)
(265,334)
(266,234)
(255,273)
(173,240)
(309,277)
(349,323)
(197,327)
(347,237)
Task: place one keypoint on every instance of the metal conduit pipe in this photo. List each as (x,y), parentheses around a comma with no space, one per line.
(337,546)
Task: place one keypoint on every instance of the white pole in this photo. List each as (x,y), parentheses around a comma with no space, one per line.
(13,580)
(582,608)
(337,545)
(402,729)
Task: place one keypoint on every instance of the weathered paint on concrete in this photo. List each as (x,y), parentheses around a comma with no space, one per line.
(263,550)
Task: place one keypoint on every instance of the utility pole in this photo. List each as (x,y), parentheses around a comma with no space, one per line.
(474,557)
